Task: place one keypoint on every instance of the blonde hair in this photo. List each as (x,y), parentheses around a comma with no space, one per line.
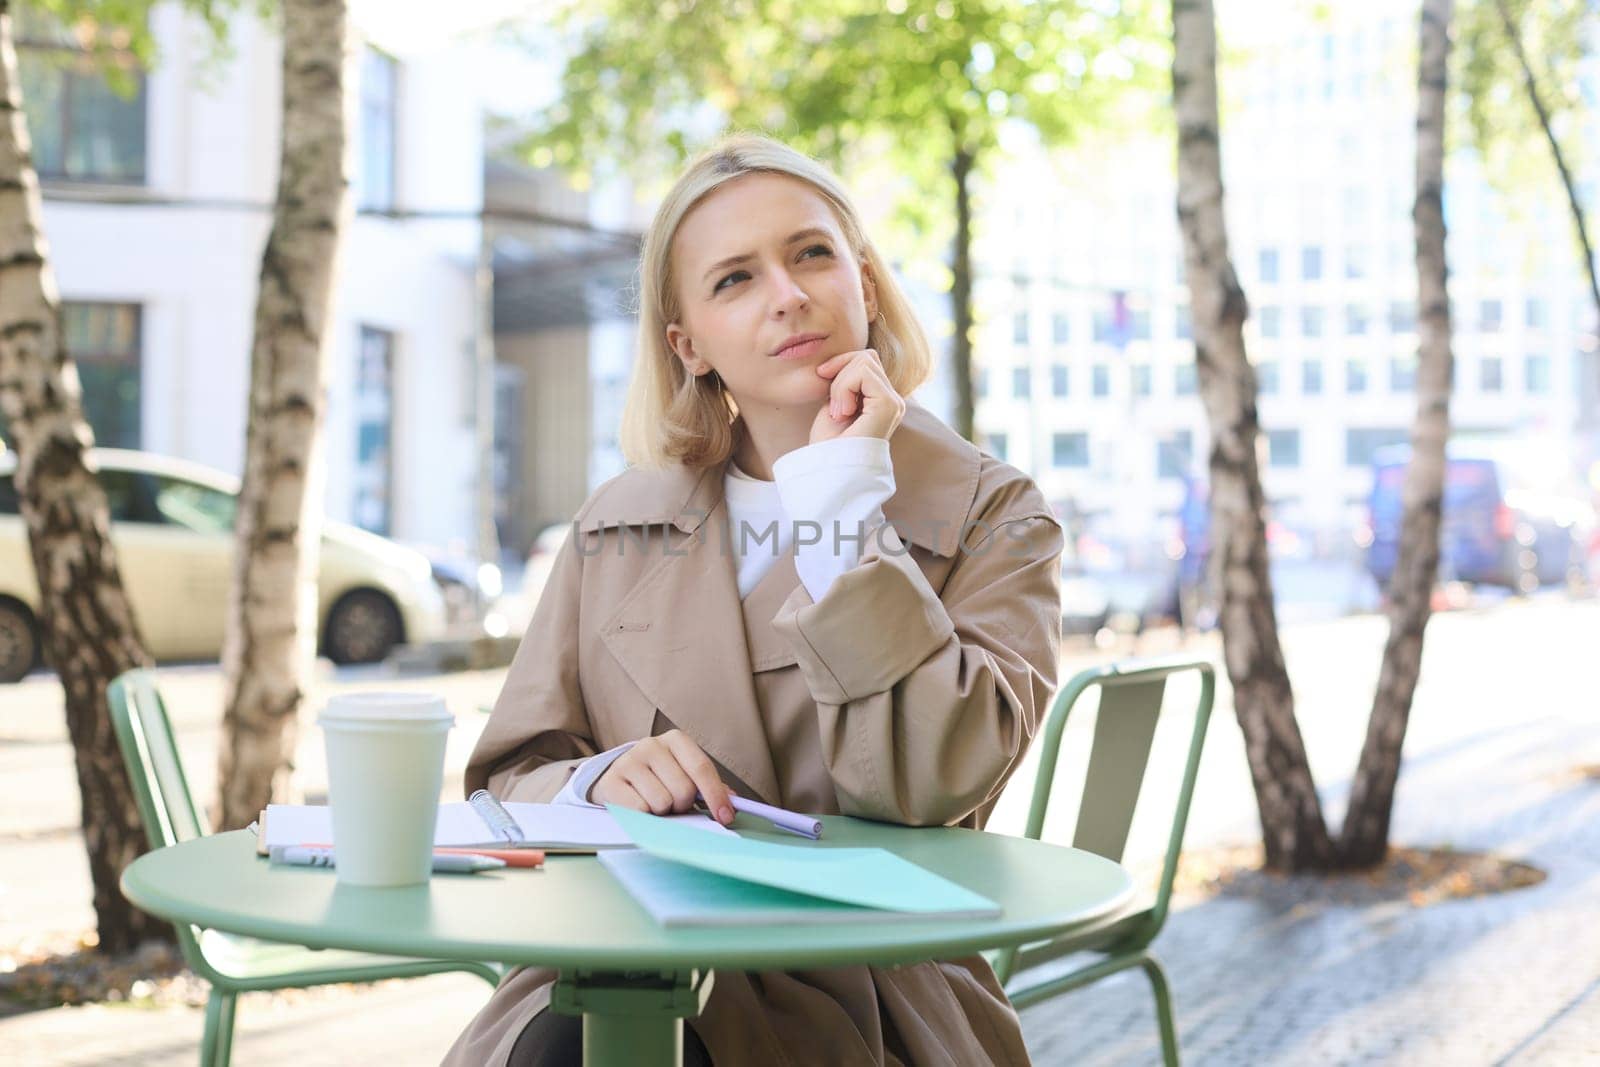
(671,415)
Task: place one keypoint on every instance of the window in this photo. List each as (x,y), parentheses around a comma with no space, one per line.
(997,445)
(373,405)
(1019,328)
(1141,325)
(1271,322)
(1021,382)
(1402,317)
(1267,264)
(1355,262)
(1491,374)
(196,507)
(1069,449)
(1267,378)
(1361,442)
(1283,448)
(379,90)
(82,129)
(1311,263)
(1355,376)
(1105,330)
(1534,314)
(1489,314)
(980,383)
(1536,374)
(1058,380)
(1184,380)
(1311,322)
(1139,375)
(1060,328)
(103,340)
(1402,373)
(1100,380)
(1175,455)
(1184,325)
(1311,377)
(1355,319)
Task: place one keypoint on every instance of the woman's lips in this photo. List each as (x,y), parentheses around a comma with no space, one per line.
(803,349)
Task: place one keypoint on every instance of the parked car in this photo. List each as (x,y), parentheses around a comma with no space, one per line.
(1502,525)
(172,525)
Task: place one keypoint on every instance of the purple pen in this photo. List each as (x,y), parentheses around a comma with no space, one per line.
(794,822)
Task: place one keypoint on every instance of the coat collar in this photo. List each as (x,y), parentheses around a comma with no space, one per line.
(935,473)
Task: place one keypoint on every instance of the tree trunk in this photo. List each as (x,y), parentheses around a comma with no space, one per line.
(1588,370)
(1364,839)
(89,632)
(1292,827)
(961,292)
(271,624)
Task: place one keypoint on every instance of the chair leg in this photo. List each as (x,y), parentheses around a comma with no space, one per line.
(216,1046)
(1169,1029)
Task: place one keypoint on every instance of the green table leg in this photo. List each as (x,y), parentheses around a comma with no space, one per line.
(632,1018)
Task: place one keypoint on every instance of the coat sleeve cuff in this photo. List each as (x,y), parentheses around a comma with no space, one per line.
(874,626)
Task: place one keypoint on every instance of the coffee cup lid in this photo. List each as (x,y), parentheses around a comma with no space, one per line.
(386,708)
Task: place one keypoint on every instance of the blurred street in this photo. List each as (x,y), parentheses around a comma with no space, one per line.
(1491,763)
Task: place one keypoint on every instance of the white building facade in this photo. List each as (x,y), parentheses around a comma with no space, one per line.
(1085,348)
(157,208)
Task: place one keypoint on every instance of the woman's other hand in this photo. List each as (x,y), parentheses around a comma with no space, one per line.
(662,775)
(861,400)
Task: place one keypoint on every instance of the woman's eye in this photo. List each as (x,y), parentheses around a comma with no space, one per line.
(738,274)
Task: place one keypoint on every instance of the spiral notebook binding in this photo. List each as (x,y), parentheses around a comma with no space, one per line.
(499,821)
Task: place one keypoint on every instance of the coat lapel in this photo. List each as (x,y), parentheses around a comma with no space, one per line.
(680,636)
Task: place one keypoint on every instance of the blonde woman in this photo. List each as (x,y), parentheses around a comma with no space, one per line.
(805,589)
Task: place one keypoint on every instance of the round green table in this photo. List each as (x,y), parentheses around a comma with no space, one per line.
(632,980)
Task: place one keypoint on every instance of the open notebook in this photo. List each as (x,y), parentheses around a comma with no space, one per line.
(555,828)
(685,878)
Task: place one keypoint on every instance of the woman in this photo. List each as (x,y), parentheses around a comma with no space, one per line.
(806,590)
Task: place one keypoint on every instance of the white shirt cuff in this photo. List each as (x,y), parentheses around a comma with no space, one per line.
(839,487)
(576,791)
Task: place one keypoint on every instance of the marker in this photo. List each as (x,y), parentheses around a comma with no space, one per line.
(454,863)
(782,818)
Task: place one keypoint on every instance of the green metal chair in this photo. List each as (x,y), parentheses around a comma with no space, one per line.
(232,964)
(1132,696)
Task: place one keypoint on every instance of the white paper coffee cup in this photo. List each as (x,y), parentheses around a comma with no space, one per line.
(385,770)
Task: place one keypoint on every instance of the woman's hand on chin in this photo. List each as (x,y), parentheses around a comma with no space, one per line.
(861,400)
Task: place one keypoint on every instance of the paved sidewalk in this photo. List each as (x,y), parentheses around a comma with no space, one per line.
(1506,710)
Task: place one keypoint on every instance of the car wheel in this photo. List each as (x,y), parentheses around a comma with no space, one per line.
(19,641)
(363,627)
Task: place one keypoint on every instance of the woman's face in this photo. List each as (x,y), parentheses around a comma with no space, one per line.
(759,261)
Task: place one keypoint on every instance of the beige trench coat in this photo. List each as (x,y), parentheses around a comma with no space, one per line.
(907,694)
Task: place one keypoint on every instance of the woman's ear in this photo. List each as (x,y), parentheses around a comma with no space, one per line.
(682,346)
(869,290)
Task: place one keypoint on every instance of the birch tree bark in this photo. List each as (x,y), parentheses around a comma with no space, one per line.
(90,635)
(269,643)
(1364,838)
(1293,831)
(1589,362)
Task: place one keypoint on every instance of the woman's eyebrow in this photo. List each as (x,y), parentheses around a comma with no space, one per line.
(723,264)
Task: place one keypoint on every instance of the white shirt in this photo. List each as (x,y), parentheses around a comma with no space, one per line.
(824,500)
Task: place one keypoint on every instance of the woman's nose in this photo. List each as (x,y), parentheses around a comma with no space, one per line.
(789,296)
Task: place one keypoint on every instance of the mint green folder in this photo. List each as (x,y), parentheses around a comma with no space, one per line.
(685,876)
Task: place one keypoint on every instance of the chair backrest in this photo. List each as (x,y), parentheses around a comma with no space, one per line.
(144,734)
(1132,698)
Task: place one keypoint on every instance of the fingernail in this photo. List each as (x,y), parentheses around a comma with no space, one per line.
(725,814)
